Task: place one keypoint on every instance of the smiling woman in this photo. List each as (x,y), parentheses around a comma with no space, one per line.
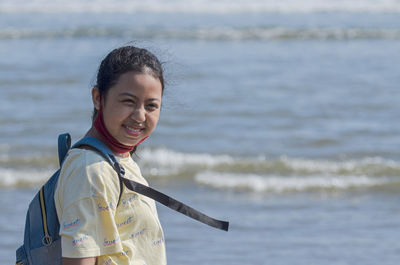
(131,109)
(127,100)
(134,102)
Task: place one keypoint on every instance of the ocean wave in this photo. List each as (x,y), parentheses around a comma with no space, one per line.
(166,157)
(164,162)
(36,161)
(280,184)
(217,169)
(212,33)
(11,178)
(198,6)
(369,166)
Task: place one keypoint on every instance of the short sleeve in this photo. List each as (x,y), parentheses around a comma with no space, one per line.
(90,191)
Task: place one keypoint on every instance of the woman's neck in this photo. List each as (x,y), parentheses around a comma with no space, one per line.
(94,133)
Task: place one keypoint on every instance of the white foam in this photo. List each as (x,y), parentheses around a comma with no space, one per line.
(25,177)
(199,6)
(284,184)
(247,172)
(211,33)
(357,167)
(169,158)
(164,162)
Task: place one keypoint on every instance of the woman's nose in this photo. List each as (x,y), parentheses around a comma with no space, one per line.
(139,114)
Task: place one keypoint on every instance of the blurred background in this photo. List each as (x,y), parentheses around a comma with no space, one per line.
(279,116)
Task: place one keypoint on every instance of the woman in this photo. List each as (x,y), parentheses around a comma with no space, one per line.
(96,226)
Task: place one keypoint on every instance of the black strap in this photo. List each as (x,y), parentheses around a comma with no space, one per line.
(165,199)
(174,204)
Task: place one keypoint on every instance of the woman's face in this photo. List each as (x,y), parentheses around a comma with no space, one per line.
(131,108)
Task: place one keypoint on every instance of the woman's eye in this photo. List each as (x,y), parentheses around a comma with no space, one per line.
(152,106)
(128,101)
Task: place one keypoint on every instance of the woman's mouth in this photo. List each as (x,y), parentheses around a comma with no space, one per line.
(133,131)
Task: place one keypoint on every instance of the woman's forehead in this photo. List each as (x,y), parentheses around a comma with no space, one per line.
(137,83)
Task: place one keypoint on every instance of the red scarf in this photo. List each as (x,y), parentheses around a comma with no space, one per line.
(111,142)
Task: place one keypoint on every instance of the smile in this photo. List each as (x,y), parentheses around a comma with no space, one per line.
(133,131)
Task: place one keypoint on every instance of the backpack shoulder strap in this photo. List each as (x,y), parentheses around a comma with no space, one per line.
(96,144)
(64,144)
(147,191)
(105,152)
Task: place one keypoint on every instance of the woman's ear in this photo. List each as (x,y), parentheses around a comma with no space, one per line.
(96,98)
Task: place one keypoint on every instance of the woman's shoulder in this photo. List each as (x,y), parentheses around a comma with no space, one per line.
(82,156)
(84,173)
(83,165)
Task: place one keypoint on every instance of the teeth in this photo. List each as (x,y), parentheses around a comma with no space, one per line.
(133,129)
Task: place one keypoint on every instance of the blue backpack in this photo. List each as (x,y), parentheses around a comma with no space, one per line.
(42,242)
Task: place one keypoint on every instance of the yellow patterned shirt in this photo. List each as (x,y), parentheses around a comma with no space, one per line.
(91,222)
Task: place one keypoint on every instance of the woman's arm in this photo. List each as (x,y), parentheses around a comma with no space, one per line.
(79,261)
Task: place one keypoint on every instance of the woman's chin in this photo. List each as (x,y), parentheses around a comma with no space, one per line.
(131,141)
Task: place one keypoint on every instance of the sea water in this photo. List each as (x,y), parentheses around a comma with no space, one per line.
(279,117)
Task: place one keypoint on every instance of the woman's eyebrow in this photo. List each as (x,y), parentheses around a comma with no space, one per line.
(127,94)
(153,99)
(133,96)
